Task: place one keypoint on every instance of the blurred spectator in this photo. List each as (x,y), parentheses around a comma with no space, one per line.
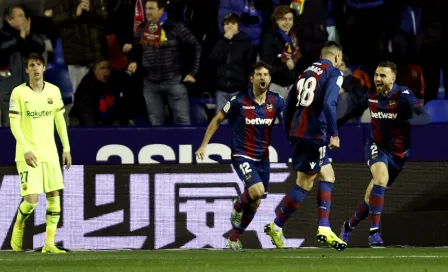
(332,31)
(435,45)
(406,40)
(280,48)
(100,97)
(120,29)
(364,31)
(351,85)
(311,30)
(16,42)
(352,92)
(159,46)
(81,24)
(251,18)
(232,56)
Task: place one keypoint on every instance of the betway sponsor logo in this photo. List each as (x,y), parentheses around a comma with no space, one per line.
(38,114)
(383,115)
(259,121)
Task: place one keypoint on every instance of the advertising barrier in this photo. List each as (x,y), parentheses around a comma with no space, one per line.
(151,145)
(164,206)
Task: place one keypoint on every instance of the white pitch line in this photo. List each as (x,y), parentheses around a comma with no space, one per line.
(361,257)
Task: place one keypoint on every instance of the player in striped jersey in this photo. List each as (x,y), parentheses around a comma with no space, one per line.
(310,114)
(252,114)
(386,151)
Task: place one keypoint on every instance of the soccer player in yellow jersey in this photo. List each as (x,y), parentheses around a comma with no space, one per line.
(35,107)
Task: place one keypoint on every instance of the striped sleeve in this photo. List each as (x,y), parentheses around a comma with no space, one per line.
(14,104)
(58,102)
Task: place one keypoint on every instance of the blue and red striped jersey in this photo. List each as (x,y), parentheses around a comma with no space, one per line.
(390,127)
(311,105)
(252,123)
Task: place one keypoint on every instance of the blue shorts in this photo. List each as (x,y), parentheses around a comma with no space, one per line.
(394,164)
(252,172)
(309,155)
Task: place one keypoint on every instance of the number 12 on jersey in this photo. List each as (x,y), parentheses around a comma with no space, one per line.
(306,88)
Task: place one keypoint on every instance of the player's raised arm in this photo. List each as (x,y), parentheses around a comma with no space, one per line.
(214,124)
(422,117)
(61,127)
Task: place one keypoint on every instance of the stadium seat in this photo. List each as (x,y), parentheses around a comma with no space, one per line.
(58,53)
(437,110)
(198,114)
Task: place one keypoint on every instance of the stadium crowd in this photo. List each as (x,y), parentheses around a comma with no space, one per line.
(159,62)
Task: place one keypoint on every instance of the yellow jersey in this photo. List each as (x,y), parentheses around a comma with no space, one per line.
(36,112)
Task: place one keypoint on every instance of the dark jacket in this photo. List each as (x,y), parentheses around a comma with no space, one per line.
(91,93)
(83,38)
(168,61)
(272,46)
(232,59)
(13,50)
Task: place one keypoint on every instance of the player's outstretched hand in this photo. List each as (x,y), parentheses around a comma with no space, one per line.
(30,159)
(200,153)
(334,142)
(67,159)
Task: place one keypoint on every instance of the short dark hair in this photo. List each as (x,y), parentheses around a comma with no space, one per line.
(231,18)
(34,56)
(8,12)
(261,64)
(281,11)
(160,3)
(390,65)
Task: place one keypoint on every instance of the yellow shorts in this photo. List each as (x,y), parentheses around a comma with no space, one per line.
(46,177)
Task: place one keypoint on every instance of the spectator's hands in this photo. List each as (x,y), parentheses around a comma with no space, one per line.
(86,4)
(83,5)
(290,64)
(127,47)
(341,90)
(132,67)
(189,78)
(30,159)
(48,13)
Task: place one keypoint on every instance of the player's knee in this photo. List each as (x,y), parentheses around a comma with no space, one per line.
(256,191)
(32,199)
(327,174)
(305,182)
(381,180)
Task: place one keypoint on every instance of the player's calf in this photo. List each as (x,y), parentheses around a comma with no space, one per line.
(361,212)
(376,198)
(52,218)
(24,211)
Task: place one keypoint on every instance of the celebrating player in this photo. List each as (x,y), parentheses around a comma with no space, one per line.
(309,114)
(34,109)
(391,108)
(252,114)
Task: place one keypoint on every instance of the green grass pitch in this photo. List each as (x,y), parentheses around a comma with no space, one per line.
(305,259)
